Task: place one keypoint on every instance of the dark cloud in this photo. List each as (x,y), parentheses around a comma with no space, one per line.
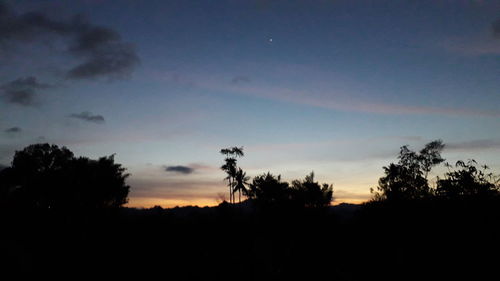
(3,166)
(496,27)
(180,169)
(22,91)
(103,52)
(89,117)
(13,130)
(240,79)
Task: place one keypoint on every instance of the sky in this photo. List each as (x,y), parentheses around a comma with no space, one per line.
(334,87)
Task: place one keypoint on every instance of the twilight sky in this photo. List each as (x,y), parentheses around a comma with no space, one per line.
(334,87)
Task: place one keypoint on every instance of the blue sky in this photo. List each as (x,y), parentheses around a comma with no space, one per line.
(331,86)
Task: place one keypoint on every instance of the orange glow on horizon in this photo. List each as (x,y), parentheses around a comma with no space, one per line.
(149,202)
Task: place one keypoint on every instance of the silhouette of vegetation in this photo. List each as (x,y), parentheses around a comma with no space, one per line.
(240,183)
(407,179)
(48,177)
(468,181)
(284,231)
(230,167)
(310,194)
(268,190)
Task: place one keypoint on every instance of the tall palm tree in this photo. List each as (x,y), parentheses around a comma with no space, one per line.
(230,167)
(240,183)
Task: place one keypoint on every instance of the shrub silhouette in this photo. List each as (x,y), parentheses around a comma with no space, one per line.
(48,177)
(467,182)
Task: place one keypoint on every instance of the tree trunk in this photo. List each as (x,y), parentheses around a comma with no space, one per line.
(230,191)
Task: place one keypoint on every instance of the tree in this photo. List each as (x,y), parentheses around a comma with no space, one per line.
(467,181)
(230,167)
(46,176)
(241,182)
(407,180)
(268,190)
(310,194)
(430,156)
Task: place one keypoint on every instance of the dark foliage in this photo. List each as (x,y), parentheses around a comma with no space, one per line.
(269,191)
(467,182)
(278,234)
(407,179)
(48,177)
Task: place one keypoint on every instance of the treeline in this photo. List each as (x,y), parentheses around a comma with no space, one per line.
(63,216)
(407,180)
(44,176)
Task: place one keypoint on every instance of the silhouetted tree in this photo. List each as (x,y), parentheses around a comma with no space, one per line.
(46,176)
(241,182)
(230,167)
(467,182)
(310,194)
(408,178)
(268,190)
(430,156)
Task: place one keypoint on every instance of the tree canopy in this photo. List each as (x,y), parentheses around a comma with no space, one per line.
(467,181)
(47,176)
(407,179)
(268,190)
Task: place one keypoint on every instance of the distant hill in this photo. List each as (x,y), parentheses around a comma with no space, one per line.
(343,211)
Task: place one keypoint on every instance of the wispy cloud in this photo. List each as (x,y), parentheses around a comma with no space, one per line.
(22,91)
(240,79)
(13,130)
(347,103)
(88,117)
(474,145)
(495,26)
(175,188)
(348,196)
(477,46)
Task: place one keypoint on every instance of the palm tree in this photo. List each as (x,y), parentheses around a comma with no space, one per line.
(230,167)
(241,180)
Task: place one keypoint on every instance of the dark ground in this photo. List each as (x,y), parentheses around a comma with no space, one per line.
(424,240)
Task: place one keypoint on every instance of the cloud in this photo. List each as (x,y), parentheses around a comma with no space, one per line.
(13,130)
(89,117)
(345,195)
(191,168)
(101,49)
(345,103)
(180,169)
(472,46)
(240,79)
(174,188)
(22,91)
(3,166)
(341,101)
(495,26)
(474,145)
